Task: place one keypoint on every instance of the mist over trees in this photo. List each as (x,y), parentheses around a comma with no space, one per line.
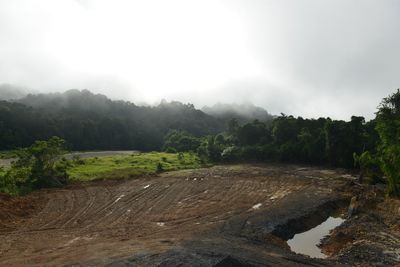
(11,92)
(90,121)
(242,112)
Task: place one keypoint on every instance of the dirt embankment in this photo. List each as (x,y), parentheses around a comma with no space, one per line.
(15,211)
(222,216)
(371,236)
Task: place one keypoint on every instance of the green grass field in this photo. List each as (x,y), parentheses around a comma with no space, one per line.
(124,166)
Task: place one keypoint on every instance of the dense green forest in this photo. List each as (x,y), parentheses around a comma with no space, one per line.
(87,121)
(90,121)
(93,122)
(285,139)
(373,147)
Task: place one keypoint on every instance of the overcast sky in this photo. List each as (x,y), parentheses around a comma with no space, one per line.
(308,58)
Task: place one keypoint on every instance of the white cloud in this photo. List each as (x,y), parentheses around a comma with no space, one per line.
(310,58)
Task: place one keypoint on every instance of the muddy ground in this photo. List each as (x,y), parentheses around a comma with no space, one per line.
(238,215)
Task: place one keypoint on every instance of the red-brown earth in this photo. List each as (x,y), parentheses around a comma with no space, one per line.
(237,215)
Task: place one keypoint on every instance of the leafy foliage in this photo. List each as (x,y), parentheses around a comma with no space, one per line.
(388,127)
(38,166)
(93,122)
(343,139)
(179,141)
(290,139)
(369,167)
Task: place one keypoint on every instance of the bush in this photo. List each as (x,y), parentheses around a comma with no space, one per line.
(76,159)
(180,141)
(368,164)
(159,167)
(7,183)
(202,152)
(231,154)
(388,127)
(170,150)
(38,166)
(253,153)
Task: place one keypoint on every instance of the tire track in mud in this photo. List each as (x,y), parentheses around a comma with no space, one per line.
(63,202)
(144,211)
(152,204)
(89,203)
(144,198)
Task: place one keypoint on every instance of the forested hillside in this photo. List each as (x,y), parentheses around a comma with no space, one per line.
(10,92)
(88,121)
(241,112)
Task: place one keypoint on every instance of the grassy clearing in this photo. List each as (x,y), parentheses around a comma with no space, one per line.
(128,166)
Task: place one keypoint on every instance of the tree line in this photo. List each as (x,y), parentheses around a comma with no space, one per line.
(88,121)
(93,122)
(373,146)
(285,139)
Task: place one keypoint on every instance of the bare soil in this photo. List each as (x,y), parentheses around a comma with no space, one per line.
(372,236)
(236,215)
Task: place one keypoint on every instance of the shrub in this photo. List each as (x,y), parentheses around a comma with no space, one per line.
(388,128)
(369,168)
(37,166)
(231,154)
(170,150)
(180,141)
(159,167)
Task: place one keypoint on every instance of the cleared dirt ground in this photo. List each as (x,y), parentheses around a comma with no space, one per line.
(220,216)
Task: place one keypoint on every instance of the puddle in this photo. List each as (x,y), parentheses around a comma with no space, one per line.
(307,242)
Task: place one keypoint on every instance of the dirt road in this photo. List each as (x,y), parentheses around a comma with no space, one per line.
(222,215)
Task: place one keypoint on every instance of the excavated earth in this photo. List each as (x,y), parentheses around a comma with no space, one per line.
(239,215)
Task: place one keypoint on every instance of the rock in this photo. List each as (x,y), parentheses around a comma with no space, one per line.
(353,207)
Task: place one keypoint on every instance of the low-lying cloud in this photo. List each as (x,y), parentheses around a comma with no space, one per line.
(307,58)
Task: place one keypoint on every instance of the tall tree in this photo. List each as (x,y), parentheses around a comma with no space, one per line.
(388,127)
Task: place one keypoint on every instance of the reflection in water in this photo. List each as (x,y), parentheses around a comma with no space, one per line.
(307,243)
